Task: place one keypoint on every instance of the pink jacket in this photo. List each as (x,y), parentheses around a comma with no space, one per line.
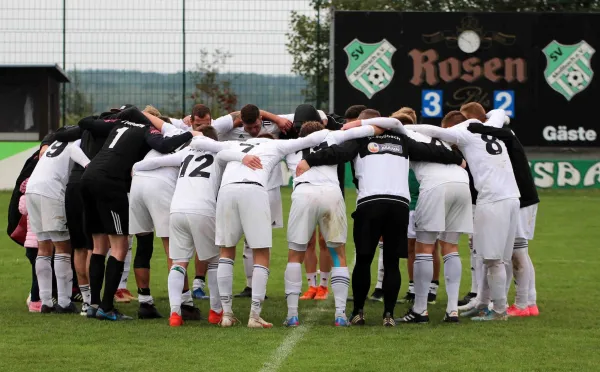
(31,239)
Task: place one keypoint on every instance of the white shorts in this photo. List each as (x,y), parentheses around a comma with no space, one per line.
(189,231)
(445,208)
(526,226)
(495,229)
(312,205)
(411,226)
(276,208)
(149,206)
(47,217)
(243,209)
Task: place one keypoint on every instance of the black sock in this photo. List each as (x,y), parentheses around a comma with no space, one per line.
(75,282)
(391,280)
(96,277)
(54,286)
(31,254)
(144,291)
(114,270)
(436,282)
(201,277)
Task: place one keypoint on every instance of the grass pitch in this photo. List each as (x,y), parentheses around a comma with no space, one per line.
(566,336)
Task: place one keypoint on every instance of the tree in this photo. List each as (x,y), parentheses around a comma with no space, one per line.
(211,90)
(308,39)
(78,105)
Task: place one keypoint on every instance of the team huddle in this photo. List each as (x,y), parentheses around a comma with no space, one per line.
(201,184)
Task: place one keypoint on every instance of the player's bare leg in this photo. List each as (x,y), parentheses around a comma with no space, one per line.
(123,294)
(310,265)
(141,264)
(43,270)
(64,276)
(248,270)
(325,265)
(199,283)
(260,277)
(225,284)
(80,259)
(452,274)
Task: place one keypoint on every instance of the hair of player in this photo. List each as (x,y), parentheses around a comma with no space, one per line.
(152,111)
(406,111)
(353,111)
(166,119)
(310,127)
(249,114)
(266,135)
(369,114)
(403,117)
(452,118)
(200,111)
(473,110)
(209,132)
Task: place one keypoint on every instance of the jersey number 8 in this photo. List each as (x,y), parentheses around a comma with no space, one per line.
(492,146)
(205,161)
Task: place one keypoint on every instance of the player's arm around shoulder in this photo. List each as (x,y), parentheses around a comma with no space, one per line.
(431,152)
(503,134)
(155,140)
(171,160)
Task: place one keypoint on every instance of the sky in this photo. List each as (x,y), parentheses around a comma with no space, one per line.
(146,35)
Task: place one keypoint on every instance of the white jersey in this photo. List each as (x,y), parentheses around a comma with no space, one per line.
(166,174)
(487,158)
(292,160)
(431,175)
(270,152)
(199,176)
(51,174)
(327,174)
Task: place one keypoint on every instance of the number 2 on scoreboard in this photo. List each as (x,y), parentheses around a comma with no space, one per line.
(505,100)
(431,103)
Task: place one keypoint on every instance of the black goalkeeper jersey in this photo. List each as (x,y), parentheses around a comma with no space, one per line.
(126,144)
(518,159)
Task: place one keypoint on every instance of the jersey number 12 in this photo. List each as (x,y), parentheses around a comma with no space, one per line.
(205,161)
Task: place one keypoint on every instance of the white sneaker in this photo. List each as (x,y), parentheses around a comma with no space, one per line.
(228,320)
(258,322)
(468,306)
(84,308)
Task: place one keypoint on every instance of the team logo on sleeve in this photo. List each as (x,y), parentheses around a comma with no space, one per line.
(369,66)
(373,147)
(568,71)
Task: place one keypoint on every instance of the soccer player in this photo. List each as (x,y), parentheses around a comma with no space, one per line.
(317,199)
(105,185)
(525,300)
(192,222)
(45,196)
(381,178)
(497,209)
(242,209)
(444,211)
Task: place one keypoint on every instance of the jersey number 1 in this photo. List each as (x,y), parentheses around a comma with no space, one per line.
(120,132)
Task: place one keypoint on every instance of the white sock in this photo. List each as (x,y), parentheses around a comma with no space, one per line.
(340,282)
(532,295)
(293,286)
(496,278)
(311,279)
(248,264)
(522,271)
(199,283)
(379,284)
(411,287)
(43,270)
(64,278)
(85,293)
(433,287)
(225,283)
(126,267)
(213,287)
(324,279)
(260,276)
(474,278)
(186,298)
(483,289)
(452,273)
(145,299)
(175,285)
(422,274)
(508,267)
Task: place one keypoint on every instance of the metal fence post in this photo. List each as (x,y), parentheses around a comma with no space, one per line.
(64,62)
(183,71)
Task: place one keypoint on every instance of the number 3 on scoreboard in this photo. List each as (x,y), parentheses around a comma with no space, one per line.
(505,100)
(431,103)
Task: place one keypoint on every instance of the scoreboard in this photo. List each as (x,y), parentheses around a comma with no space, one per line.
(538,67)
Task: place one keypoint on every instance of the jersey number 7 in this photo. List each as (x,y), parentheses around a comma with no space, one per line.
(205,161)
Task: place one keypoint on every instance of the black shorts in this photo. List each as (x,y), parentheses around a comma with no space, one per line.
(381,218)
(75,217)
(106,208)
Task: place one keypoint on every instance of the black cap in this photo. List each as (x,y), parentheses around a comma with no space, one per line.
(304,113)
